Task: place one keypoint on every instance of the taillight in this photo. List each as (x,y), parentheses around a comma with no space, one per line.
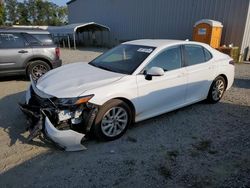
(58,52)
(231,62)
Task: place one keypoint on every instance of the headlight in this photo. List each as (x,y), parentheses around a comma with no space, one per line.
(73,101)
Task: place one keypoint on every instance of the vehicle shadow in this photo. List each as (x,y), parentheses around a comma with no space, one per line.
(13,121)
(242,83)
(12,77)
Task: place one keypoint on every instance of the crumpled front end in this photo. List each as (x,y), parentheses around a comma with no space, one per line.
(66,125)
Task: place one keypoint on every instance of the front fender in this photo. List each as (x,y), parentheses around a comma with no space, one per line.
(100,100)
(124,88)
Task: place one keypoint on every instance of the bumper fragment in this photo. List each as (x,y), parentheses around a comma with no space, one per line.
(67,139)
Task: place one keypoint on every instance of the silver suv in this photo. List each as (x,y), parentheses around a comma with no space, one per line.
(28,52)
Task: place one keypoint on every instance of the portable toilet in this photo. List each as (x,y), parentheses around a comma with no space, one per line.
(208,31)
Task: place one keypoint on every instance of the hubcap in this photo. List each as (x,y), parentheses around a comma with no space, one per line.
(38,71)
(114,121)
(218,90)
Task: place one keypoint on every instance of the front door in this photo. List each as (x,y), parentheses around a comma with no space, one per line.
(162,93)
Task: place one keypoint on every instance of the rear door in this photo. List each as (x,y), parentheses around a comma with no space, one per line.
(200,70)
(14,51)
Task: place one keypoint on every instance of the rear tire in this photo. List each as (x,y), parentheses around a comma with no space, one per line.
(112,121)
(37,68)
(217,90)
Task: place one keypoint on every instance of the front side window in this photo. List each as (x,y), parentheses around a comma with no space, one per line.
(168,60)
(11,40)
(194,54)
(124,58)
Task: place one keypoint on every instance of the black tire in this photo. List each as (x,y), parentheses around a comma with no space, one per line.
(211,98)
(106,108)
(37,68)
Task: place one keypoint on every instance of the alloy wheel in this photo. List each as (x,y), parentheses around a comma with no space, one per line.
(218,90)
(114,121)
(38,71)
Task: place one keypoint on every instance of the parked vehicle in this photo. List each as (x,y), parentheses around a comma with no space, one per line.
(27,52)
(132,82)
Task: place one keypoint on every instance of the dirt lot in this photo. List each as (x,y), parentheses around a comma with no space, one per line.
(201,145)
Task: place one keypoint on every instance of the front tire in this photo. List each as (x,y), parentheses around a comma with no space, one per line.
(217,90)
(112,121)
(37,68)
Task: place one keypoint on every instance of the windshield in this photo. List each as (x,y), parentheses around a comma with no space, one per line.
(124,58)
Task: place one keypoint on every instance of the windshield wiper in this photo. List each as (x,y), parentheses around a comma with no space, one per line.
(108,69)
(105,68)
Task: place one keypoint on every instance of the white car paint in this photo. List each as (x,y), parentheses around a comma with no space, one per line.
(74,79)
(174,89)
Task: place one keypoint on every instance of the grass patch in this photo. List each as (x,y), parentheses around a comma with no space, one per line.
(194,153)
(131,139)
(165,172)
(203,145)
(130,162)
(212,152)
(172,154)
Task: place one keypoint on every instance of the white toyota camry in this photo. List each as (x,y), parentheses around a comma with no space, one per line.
(132,82)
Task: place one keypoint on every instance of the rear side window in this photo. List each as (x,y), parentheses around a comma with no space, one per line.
(194,54)
(45,39)
(208,55)
(11,40)
(32,40)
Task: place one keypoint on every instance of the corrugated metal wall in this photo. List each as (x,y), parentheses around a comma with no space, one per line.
(246,38)
(172,19)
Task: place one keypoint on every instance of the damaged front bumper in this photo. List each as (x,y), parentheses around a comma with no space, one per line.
(38,123)
(66,126)
(67,139)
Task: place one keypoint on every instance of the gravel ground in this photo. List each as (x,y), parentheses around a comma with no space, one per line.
(201,145)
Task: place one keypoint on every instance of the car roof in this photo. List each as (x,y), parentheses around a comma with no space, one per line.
(23,30)
(158,43)
(152,42)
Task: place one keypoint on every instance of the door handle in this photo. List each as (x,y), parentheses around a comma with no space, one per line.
(22,51)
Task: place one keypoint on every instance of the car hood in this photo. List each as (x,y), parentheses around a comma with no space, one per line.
(74,79)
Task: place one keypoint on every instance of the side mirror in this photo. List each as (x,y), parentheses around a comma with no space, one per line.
(154,71)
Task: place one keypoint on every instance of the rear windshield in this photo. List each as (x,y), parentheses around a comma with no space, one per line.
(45,39)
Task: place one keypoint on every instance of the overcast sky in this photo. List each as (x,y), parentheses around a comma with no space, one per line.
(59,2)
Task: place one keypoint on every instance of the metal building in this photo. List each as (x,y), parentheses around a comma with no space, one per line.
(171,19)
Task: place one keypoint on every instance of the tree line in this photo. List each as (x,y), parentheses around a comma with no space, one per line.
(32,12)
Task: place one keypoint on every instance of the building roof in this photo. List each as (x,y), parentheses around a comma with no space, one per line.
(70,2)
(72,28)
(23,30)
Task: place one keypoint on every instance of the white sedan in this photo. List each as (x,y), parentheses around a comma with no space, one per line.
(132,82)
